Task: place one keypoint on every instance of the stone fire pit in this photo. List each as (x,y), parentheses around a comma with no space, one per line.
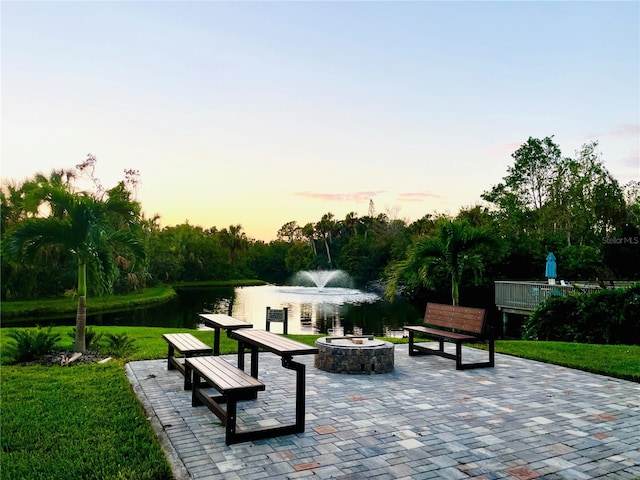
(357,355)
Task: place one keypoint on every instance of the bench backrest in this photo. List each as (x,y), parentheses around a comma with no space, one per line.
(466,319)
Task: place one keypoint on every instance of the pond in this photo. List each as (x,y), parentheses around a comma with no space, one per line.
(319,302)
(311,310)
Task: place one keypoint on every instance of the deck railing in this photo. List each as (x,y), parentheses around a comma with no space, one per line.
(522,298)
(526,296)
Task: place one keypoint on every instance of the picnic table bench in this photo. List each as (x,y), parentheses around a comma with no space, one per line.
(455,324)
(233,385)
(187,345)
(225,322)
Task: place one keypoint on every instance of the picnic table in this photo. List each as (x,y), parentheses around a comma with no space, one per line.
(219,322)
(256,340)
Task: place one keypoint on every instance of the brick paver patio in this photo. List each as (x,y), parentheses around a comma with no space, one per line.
(425,420)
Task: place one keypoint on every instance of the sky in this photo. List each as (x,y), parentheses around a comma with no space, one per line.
(260,113)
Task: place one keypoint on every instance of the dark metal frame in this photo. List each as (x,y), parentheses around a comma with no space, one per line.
(290,364)
(230,415)
(415,349)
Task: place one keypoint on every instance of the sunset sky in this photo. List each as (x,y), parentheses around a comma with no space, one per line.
(259,113)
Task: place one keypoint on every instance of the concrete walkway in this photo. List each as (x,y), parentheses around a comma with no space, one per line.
(520,420)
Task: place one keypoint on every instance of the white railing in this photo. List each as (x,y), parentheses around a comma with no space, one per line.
(526,296)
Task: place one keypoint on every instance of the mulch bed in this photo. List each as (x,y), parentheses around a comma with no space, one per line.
(62,356)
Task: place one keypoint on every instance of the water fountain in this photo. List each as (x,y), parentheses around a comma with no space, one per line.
(322,278)
(328,290)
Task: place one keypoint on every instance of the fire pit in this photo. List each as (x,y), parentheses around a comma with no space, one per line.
(356,355)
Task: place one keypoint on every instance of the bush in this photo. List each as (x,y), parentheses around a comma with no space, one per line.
(32,344)
(605,316)
(120,345)
(555,319)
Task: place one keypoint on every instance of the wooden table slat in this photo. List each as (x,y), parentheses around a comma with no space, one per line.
(274,342)
(218,320)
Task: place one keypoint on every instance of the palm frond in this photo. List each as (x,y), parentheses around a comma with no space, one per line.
(33,234)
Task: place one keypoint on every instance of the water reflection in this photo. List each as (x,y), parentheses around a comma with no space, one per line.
(311,310)
(318,310)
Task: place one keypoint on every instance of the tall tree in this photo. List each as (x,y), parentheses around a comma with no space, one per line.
(325,228)
(528,185)
(587,203)
(449,254)
(290,232)
(95,231)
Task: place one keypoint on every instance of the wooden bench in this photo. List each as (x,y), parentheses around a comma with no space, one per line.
(454,324)
(187,345)
(233,385)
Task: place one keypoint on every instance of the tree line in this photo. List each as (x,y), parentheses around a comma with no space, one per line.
(55,235)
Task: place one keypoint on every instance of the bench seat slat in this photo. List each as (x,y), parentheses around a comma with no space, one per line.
(440,333)
(187,343)
(224,376)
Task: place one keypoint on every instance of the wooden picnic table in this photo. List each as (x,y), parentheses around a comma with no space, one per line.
(219,322)
(255,340)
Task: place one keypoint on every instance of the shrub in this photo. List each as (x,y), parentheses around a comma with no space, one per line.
(120,345)
(604,316)
(32,344)
(555,319)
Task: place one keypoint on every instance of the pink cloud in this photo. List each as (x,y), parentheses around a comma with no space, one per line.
(631,131)
(339,197)
(415,196)
(626,131)
(633,160)
(506,148)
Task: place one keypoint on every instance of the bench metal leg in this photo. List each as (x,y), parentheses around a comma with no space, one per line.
(232,408)
(241,349)
(170,360)
(412,352)
(188,373)
(254,361)
(458,355)
(492,354)
(299,368)
(195,399)
(216,342)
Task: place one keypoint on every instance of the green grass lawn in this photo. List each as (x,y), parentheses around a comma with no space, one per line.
(84,421)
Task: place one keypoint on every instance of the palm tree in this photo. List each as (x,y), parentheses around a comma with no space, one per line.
(234,239)
(95,231)
(450,253)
